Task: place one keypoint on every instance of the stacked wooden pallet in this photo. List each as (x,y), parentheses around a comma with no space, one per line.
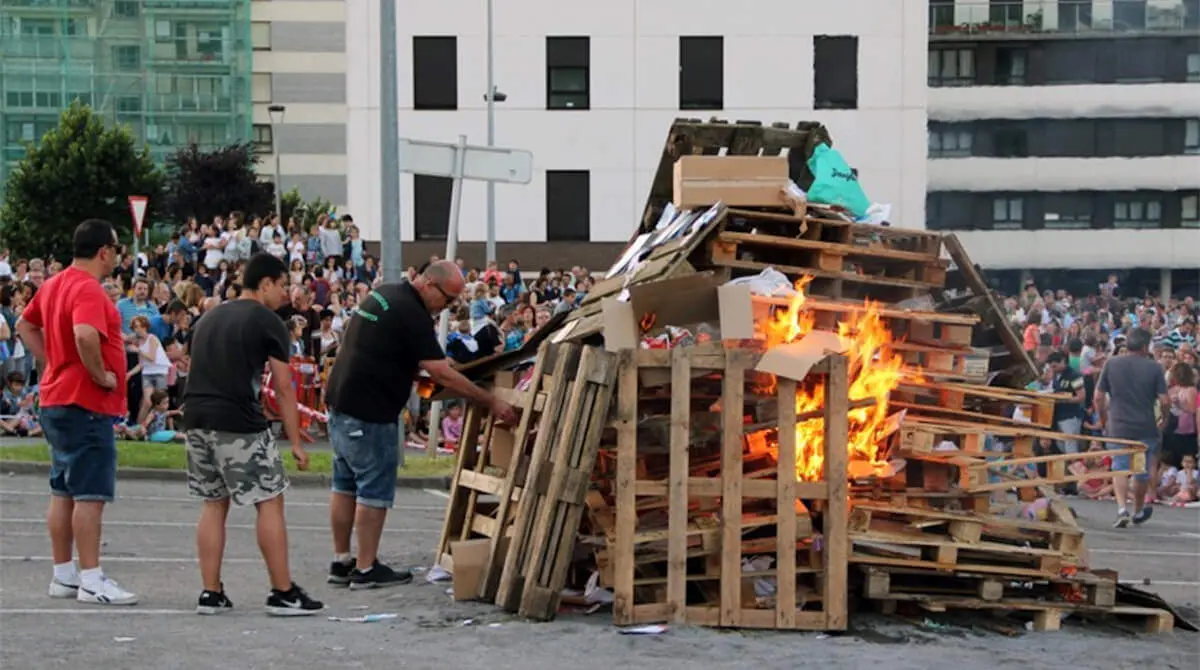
(703,496)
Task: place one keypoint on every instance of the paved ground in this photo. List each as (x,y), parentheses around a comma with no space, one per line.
(149,548)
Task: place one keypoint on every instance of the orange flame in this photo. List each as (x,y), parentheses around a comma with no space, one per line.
(874,371)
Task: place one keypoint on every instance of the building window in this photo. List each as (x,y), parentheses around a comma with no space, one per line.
(1008,213)
(260,87)
(949,143)
(1011,141)
(567,72)
(1010,66)
(1129,15)
(127,57)
(435,74)
(941,14)
(1191,137)
(701,72)
(1067,211)
(1193,67)
(260,35)
(126,9)
(951,67)
(1005,13)
(1137,213)
(264,138)
(1074,15)
(835,72)
(568,206)
(1190,211)
(431,206)
(129,104)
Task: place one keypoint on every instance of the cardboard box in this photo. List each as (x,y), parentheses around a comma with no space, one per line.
(683,302)
(736,181)
(469,558)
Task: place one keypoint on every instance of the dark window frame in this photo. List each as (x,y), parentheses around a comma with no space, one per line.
(1068,216)
(1191,136)
(431,207)
(1137,211)
(835,72)
(568,55)
(567,202)
(1012,66)
(937,67)
(951,140)
(1189,210)
(1014,208)
(698,94)
(433,72)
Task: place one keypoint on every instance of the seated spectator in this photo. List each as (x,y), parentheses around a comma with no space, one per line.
(18,408)
(452,426)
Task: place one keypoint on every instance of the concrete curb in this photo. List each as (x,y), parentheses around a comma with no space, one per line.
(153,474)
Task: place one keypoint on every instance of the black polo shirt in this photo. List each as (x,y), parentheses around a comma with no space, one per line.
(388,337)
(1068,381)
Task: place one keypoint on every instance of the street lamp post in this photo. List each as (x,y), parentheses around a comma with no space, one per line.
(491,134)
(276,112)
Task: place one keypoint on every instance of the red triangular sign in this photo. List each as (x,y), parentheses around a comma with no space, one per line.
(137,207)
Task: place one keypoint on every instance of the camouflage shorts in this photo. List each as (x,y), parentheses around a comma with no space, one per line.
(246,468)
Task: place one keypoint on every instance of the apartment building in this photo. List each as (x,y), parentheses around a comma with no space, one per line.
(591,92)
(173,72)
(1064,135)
(299,64)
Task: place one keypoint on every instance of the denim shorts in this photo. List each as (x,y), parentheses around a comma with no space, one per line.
(1125,461)
(365,458)
(83,453)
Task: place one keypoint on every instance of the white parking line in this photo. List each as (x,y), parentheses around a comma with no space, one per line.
(440,494)
(1157,582)
(192,524)
(1142,552)
(290,503)
(106,611)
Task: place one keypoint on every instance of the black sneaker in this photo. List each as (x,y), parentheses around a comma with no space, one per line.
(1122,520)
(379,576)
(339,573)
(293,602)
(214,602)
(1143,516)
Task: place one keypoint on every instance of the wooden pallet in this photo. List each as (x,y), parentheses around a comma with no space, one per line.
(743,138)
(544,534)
(491,465)
(943,397)
(702,581)
(1046,616)
(888,583)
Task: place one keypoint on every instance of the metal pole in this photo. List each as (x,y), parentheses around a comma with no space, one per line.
(460,155)
(278,183)
(491,133)
(389,153)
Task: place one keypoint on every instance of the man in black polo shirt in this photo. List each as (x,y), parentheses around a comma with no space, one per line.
(390,337)
(1068,414)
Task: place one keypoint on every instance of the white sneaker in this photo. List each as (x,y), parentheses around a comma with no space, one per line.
(109,593)
(63,590)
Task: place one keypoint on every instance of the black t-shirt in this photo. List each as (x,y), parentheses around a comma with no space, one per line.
(1070,381)
(386,340)
(229,348)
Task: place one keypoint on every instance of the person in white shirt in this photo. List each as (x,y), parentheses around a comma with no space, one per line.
(275,247)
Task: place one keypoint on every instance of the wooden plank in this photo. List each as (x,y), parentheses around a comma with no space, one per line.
(995,316)
(877,253)
(785,537)
(624,611)
(797,271)
(455,517)
(677,548)
(837,541)
(817,304)
(731,492)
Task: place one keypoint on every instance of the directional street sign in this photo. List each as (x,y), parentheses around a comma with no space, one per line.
(137,207)
(437,159)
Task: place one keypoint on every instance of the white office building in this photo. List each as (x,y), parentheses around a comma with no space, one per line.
(591,90)
(1065,135)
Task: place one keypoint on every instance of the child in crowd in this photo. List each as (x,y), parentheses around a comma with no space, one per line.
(1100,487)
(452,426)
(1179,485)
(18,408)
(159,424)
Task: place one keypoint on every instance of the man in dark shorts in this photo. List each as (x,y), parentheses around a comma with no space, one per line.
(387,341)
(231,452)
(1129,387)
(74,331)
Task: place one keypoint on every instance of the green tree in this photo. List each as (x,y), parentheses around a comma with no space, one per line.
(205,184)
(79,170)
(306,213)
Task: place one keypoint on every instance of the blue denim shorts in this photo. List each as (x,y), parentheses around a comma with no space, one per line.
(365,458)
(83,453)
(1125,461)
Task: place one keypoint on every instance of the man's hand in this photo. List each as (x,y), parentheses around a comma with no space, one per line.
(506,413)
(108,382)
(300,455)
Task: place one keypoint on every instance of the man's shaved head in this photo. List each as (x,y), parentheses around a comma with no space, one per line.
(446,275)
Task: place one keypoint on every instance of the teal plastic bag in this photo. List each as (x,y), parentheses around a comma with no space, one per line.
(834,183)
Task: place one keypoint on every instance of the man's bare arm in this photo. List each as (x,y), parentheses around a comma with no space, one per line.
(281,375)
(32,339)
(87,343)
(442,372)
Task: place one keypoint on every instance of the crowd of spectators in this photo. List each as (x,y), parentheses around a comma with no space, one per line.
(1072,338)
(163,291)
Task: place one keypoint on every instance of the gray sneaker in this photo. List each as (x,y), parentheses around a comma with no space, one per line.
(1143,516)
(1122,519)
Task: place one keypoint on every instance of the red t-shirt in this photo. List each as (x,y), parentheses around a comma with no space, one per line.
(69,298)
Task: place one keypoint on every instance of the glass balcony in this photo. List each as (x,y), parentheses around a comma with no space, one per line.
(46,47)
(52,5)
(1008,19)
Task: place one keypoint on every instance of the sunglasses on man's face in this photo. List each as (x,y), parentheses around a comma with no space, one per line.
(449,298)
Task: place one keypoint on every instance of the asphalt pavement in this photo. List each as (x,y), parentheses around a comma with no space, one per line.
(149,549)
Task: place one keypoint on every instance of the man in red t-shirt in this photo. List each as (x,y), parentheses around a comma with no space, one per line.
(74,331)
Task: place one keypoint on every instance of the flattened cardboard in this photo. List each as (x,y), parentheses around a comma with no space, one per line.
(683,302)
(734,180)
(469,558)
(795,359)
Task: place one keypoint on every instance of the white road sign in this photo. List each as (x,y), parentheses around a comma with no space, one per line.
(496,164)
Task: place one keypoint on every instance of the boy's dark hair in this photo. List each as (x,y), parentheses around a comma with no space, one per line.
(1056,357)
(14,377)
(175,307)
(157,396)
(260,267)
(1075,346)
(90,237)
